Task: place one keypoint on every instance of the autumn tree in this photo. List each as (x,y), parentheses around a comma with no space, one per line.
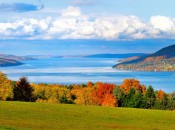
(6,90)
(143,89)
(83,95)
(99,95)
(161,100)
(65,95)
(39,90)
(130,83)
(22,90)
(160,94)
(109,101)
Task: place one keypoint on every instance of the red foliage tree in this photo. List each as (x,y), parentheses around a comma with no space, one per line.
(99,94)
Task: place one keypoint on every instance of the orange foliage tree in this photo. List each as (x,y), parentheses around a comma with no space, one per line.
(130,83)
(109,100)
(102,93)
(143,89)
(160,94)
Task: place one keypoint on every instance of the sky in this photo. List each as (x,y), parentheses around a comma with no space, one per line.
(100,26)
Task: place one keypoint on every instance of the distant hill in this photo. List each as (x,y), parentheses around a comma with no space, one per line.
(168,52)
(13,57)
(12,60)
(127,55)
(9,62)
(162,60)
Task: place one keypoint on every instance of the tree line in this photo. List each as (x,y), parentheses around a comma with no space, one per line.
(129,94)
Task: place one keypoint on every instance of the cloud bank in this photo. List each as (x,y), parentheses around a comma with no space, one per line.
(72,24)
(19,7)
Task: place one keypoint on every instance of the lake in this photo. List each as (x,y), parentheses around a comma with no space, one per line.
(82,70)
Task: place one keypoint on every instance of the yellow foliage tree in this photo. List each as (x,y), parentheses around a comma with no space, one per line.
(6,91)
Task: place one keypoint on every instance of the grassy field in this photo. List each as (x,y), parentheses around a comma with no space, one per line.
(21,115)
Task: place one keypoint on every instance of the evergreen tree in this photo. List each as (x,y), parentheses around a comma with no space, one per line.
(164,102)
(129,101)
(138,100)
(22,90)
(121,99)
(150,97)
(171,102)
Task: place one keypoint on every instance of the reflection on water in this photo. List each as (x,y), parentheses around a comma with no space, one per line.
(82,70)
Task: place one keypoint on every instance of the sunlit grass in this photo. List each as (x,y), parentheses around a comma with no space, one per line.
(21,115)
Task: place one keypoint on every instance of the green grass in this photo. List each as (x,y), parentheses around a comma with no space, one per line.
(22,115)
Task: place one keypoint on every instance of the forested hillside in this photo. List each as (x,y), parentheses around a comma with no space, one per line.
(162,60)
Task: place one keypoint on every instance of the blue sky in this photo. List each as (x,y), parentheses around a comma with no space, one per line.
(102,26)
(80,47)
(142,9)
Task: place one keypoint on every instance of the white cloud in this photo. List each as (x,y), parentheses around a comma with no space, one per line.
(163,23)
(72,24)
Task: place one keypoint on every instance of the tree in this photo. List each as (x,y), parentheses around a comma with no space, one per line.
(160,94)
(22,90)
(171,102)
(164,102)
(6,90)
(150,97)
(109,101)
(130,83)
(116,91)
(129,101)
(98,95)
(138,100)
(83,95)
(143,89)
(121,99)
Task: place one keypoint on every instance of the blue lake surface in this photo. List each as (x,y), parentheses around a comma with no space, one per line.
(82,70)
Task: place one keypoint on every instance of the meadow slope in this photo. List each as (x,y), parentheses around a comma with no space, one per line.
(23,115)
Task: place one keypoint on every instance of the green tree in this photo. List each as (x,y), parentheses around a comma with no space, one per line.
(22,90)
(129,101)
(150,97)
(164,102)
(171,101)
(117,91)
(121,99)
(138,100)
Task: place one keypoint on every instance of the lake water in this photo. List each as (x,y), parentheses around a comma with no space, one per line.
(82,70)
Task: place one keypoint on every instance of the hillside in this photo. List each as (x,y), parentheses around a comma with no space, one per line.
(168,52)
(9,62)
(17,58)
(72,117)
(162,60)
